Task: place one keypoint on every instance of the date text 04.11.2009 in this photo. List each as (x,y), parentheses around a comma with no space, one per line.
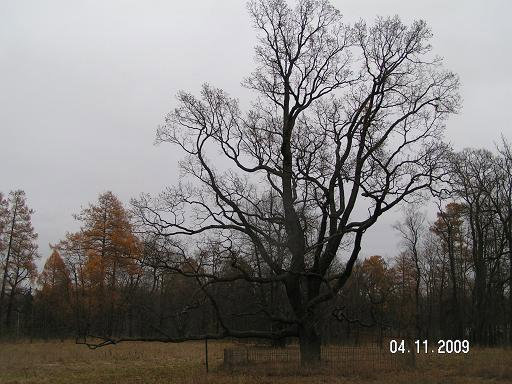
(422,346)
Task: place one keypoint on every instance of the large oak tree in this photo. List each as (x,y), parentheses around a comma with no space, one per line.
(346,123)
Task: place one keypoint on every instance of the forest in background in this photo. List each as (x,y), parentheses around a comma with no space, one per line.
(451,278)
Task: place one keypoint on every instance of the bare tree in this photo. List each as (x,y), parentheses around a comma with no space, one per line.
(505,213)
(500,194)
(473,179)
(346,124)
(412,231)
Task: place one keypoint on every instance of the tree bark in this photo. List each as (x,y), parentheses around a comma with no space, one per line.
(6,267)
(310,345)
(8,313)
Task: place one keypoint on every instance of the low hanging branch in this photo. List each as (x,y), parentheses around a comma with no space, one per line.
(104,341)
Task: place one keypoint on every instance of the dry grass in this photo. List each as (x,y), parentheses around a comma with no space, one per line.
(55,362)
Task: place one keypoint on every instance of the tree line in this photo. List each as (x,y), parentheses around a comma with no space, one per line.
(450,278)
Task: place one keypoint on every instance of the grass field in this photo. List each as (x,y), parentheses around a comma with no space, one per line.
(56,362)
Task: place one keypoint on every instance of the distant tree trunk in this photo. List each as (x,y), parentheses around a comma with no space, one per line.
(31,308)
(130,320)
(508,227)
(417,315)
(78,328)
(101,307)
(453,277)
(7,259)
(480,274)
(112,298)
(10,306)
(440,303)
(510,294)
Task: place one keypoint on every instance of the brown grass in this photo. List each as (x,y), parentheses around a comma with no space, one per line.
(56,362)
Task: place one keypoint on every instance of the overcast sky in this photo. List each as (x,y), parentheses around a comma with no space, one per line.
(84,84)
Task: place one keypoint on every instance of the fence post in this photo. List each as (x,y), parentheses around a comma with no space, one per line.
(228,358)
(206,353)
(411,352)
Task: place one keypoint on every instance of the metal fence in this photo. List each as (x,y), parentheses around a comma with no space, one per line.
(347,359)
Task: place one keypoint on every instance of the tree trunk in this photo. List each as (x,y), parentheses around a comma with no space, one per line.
(457,328)
(6,266)
(78,328)
(310,343)
(510,297)
(509,242)
(10,305)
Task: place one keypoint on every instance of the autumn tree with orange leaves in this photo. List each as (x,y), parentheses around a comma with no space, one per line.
(101,256)
(54,298)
